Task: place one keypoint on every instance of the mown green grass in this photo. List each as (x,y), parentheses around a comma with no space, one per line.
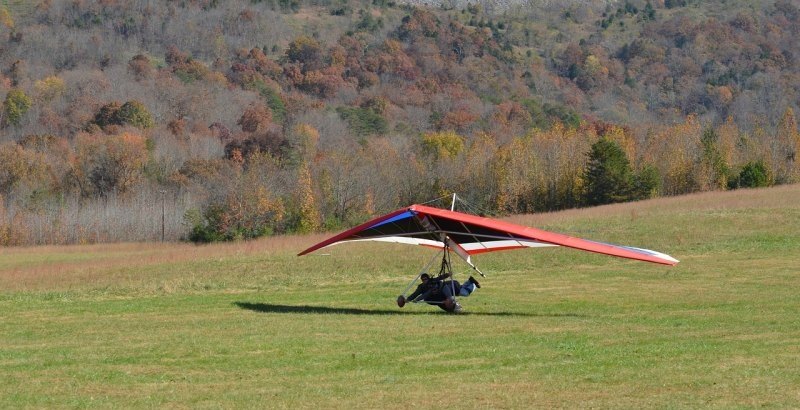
(252,325)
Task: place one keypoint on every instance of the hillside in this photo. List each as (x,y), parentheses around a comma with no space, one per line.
(240,119)
(240,324)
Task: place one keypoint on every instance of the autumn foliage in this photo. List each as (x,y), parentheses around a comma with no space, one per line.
(258,118)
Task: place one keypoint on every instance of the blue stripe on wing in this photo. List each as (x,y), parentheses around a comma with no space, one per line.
(404,215)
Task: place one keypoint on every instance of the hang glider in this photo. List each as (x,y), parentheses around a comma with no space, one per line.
(468,235)
(465,235)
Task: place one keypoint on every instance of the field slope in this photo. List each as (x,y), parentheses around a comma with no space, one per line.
(252,325)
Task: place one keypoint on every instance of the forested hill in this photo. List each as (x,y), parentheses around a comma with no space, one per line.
(242,118)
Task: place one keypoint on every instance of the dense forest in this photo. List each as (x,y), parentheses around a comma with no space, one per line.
(219,120)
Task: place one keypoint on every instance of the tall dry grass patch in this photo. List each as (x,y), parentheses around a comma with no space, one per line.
(98,265)
(784,196)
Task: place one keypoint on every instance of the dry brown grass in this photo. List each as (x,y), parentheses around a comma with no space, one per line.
(61,267)
(774,197)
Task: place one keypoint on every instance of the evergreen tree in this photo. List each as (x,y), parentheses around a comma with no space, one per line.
(646,184)
(754,175)
(609,177)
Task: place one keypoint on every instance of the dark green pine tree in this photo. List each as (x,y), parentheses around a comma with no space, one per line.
(609,177)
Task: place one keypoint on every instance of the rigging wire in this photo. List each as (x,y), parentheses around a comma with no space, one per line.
(463,204)
(434,200)
(473,209)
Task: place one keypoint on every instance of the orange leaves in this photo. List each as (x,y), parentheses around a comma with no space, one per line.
(140,66)
(324,82)
(421,23)
(106,164)
(391,58)
(460,118)
(256,118)
(252,211)
(21,168)
(308,68)
(267,204)
(392,47)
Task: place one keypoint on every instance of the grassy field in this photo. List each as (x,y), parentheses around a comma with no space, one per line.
(252,325)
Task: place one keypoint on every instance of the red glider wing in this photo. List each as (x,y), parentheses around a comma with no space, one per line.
(427,226)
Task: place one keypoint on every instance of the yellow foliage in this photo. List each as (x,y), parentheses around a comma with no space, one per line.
(674,150)
(593,66)
(728,138)
(19,166)
(392,46)
(443,145)
(308,137)
(509,188)
(624,140)
(5,18)
(369,203)
(217,78)
(786,149)
(266,205)
(338,56)
(309,216)
(49,88)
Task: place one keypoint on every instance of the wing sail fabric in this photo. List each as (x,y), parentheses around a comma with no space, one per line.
(427,226)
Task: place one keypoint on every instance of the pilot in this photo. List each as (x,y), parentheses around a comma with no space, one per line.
(440,291)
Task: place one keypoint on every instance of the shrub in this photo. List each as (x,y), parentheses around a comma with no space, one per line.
(243,214)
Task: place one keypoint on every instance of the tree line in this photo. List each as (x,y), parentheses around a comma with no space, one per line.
(251,129)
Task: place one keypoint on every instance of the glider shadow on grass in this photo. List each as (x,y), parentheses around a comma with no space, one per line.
(276,308)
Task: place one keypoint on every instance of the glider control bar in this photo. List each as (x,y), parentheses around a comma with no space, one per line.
(451,244)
